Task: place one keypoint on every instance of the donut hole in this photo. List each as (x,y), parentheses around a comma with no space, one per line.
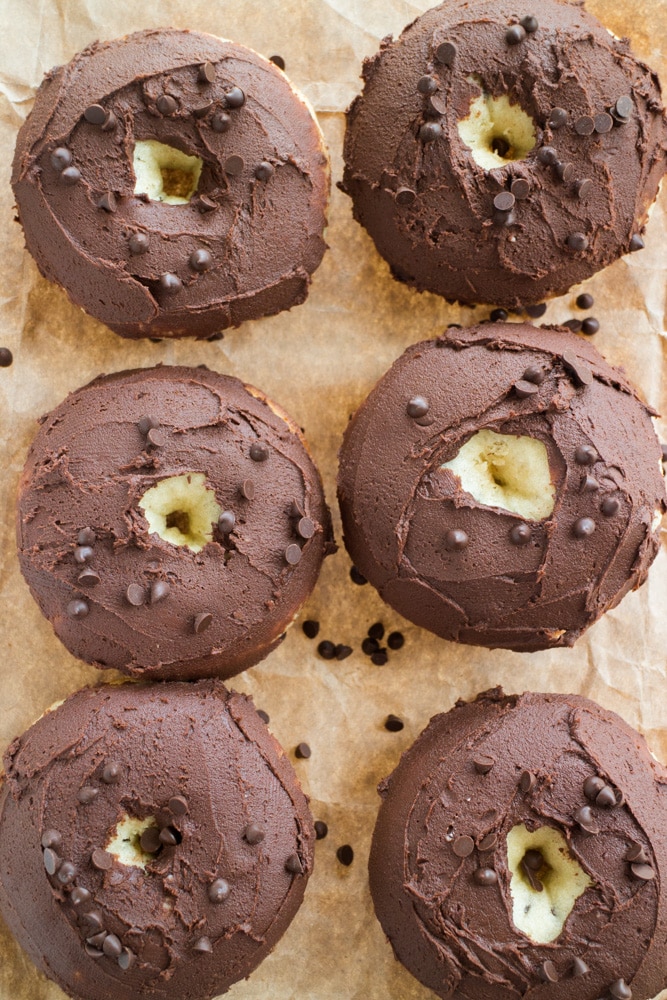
(165,173)
(125,841)
(545,882)
(182,510)
(496,131)
(507,471)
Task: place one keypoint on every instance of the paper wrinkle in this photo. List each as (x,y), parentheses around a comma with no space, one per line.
(318,362)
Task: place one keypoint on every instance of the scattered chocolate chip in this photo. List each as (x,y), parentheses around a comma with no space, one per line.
(305,527)
(220,122)
(485,876)
(499,316)
(504,202)
(170,283)
(533,860)
(586,820)
(637,854)
(427,85)
(585,454)
(446,53)
(345,855)
(112,947)
(573,324)
(417,407)
(520,188)
(293,865)
(51,838)
(548,972)
(226,522)
(577,368)
(606,798)
(590,326)
(101,860)
(248,489)
(97,940)
(92,952)
(565,172)
(405,196)
(278,61)
(234,166)
(357,577)
(6,357)
(430,131)
(321,829)
(202,110)
(379,658)
(259,452)
(584,125)
(94,920)
(534,374)
(159,590)
(504,218)
(535,312)
(61,158)
(108,202)
(610,506)
(166,104)
(79,896)
(395,640)
(515,34)
(169,836)
(51,861)
(326,650)
(376,631)
(203,946)
(202,621)
(636,243)
(557,118)
(135,595)
(138,243)
(524,389)
(463,846)
(83,553)
(624,107)
(310,628)
(369,646)
(70,175)
(583,188)
(77,609)
(620,990)
(583,527)
(264,170)
(530,23)
(293,554)
(642,872)
(253,834)
(111,773)
(200,260)
(126,959)
(577,242)
(456,540)
(579,967)
(527,781)
(264,716)
(235,98)
(393,724)
(521,534)
(483,763)
(206,73)
(149,841)
(603,122)
(589,484)
(488,842)
(547,155)
(95,114)
(218,891)
(302,751)
(109,123)
(343,651)
(585,301)
(87,794)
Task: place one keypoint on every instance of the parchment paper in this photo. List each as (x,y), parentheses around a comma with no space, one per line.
(319,362)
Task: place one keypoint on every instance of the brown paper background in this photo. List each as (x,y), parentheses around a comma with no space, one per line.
(318,362)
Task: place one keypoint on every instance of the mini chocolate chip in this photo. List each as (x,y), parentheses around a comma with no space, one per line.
(577,368)
(573,324)
(169,836)
(583,188)
(417,407)
(138,243)
(278,61)
(463,846)
(86,537)
(535,312)
(589,484)
(6,357)
(235,98)
(565,171)
(603,122)
(218,891)
(485,876)
(111,773)
(530,23)
(590,326)
(293,554)
(70,175)
(302,751)
(557,118)
(310,628)
(547,155)
(220,122)
(534,374)
(483,763)
(234,166)
(357,577)
(61,158)
(226,522)
(624,107)
(51,861)
(326,650)
(321,829)
(586,820)
(77,609)
(456,540)
(610,506)
(606,798)
(264,170)
(126,959)
(112,947)
(579,967)
(637,853)
(95,114)
(520,188)
(527,781)
(636,243)
(170,283)
(585,454)
(521,534)
(504,202)
(200,260)
(159,590)
(345,855)
(584,125)
(108,202)
(305,527)
(393,724)
(515,34)
(202,621)
(405,196)
(548,972)
(395,640)
(583,527)
(293,865)
(166,104)
(83,553)
(203,946)
(206,73)
(430,131)
(264,716)
(79,896)
(149,841)
(259,452)
(620,990)
(577,242)
(585,301)
(524,389)
(642,872)
(101,860)
(51,838)
(499,315)
(253,834)
(343,651)
(446,53)
(87,794)
(135,595)
(427,85)
(488,842)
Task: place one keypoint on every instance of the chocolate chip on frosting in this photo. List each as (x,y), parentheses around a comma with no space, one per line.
(456,539)
(200,260)
(529,23)
(202,622)
(463,846)
(430,131)
(417,407)
(135,595)
(235,98)
(620,990)
(77,608)
(203,946)
(254,834)
(585,125)
(234,165)
(515,34)
(483,763)
(218,891)
(585,454)
(95,114)
(521,534)
(583,527)
(206,73)
(166,104)
(405,196)
(70,175)
(61,157)
(579,967)
(427,85)
(504,202)
(445,53)
(293,554)
(548,972)
(293,865)
(101,859)
(139,243)
(259,452)
(111,773)
(557,118)
(160,589)
(264,171)
(485,876)
(603,122)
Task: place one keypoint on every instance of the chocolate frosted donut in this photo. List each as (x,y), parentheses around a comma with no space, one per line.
(503,151)
(154,840)
(170,523)
(502,486)
(521,852)
(173,183)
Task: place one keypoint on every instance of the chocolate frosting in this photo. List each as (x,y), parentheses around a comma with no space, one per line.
(264,235)
(456,935)
(398,504)
(87,470)
(201,762)
(430,208)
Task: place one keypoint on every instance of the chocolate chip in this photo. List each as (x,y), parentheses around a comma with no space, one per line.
(379,658)
(109,123)
(248,489)
(259,452)
(536,311)
(253,834)
(202,110)
(70,175)
(87,794)
(135,595)
(293,865)
(417,407)
(585,301)
(166,104)
(83,553)
(51,861)
(235,98)
(234,166)
(606,798)
(405,196)
(520,188)
(573,324)
(264,170)
(376,631)
(77,609)
(642,872)
(579,967)
(534,374)
(524,389)
(310,628)
(293,554)
(586,820)
(504,218)
(577,242)
(220,122)
(446,53)
(483,763)
(95,114)
(590,326)
(345,855)
(138,243)
(603,122)
(637,854)
(200,260)
(51,838)
(169,836)
(504,202)
(456,540)
(584,125)
(369,646)
(577,368)
(485,876)
(111,773)
(427,85)
(112,947)
(326,650)
(583,188)
(430,131)
(206,73)
(515,34)
(278,61)
(530,23)
(548,972)
(393,724)
(79,896)
(170,283)
(520,534)
(488,842)
(202,621)
(302,751)
(218,891)
(636,243)
(533,860)
(264,716)
(566,171)
(620,990)
(92,952)
(126,959)
(583,527)
(589,484)
(321,829)
(94,920)
(395,640)
(203,946)
(149,841)
(160,589)
(343,651)
(226,522)
(499,315)
(305,527)
(463,846)
(585,454)
(547,155)
(624,107)
(557,118)
(101,860)
(178,805)
(61,158)
(108,202)
(357,577)
(6,357)
(527,781)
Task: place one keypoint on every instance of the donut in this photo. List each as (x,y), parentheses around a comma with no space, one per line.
(154,840)
(170,523)
(503,151)
(173,183)
(520,852)
(501,486)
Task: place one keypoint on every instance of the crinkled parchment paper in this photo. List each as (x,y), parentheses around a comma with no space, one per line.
(319,362)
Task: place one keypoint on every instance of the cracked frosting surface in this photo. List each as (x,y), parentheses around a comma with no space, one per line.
(87,470)
(430,208)
(264,234)
(456,935)
(400,508)
(201,761)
